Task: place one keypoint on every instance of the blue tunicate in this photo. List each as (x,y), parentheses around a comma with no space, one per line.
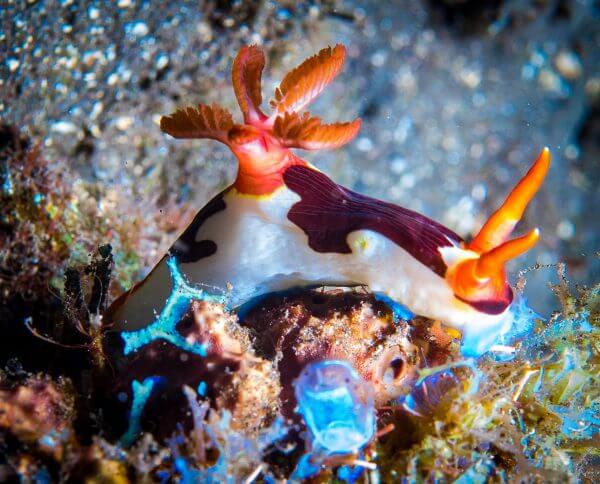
(350,474)
(42,476)
(434,383)
(528,72)
(337,406)
(141,394)
(284,14)
(305,468)
(578,423)
(214,474)
(477,474)
(7,184)
(188,474)
(202,389)
(165,325)
(53,438)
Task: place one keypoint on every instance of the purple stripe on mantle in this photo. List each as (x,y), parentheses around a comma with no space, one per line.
(328,212)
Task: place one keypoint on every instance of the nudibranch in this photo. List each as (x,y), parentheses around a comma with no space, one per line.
(284,223)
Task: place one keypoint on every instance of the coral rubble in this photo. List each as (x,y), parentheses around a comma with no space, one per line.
(527,410)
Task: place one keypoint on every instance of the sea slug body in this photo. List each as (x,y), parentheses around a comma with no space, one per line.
(284,224)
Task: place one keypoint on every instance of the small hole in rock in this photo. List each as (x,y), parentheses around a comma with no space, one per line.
(397,365)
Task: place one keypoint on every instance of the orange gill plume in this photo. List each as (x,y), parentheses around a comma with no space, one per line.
(246,76)
(482,278)
(261,144)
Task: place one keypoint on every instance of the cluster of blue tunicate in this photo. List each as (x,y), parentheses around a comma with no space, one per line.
(164,327)
(141,393)
(338,409)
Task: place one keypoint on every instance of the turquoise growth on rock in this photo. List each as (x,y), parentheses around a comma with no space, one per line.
(399,311)
(164,327)
(141,394)
(337,406)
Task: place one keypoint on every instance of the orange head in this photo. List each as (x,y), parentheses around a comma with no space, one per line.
(480,280)
(262,143)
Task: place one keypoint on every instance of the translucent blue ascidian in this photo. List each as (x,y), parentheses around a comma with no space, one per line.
(337,406)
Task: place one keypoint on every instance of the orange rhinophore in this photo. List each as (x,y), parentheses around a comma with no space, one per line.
(500,225)
(483,278)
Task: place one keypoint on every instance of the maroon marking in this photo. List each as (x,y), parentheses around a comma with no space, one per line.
(187,249)
(328,212)
(491,306)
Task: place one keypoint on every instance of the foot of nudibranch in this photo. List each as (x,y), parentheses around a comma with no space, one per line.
(515,324)
(477,340)
(474,340)
(165,325)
